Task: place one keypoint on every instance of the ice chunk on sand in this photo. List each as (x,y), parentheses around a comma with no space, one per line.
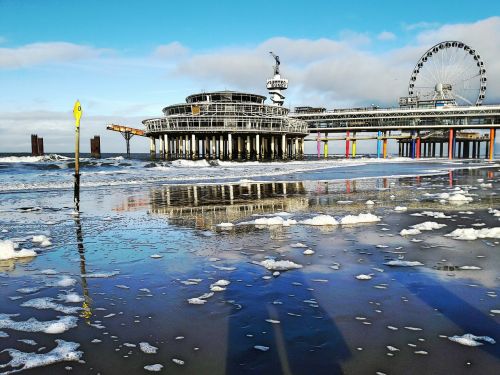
(469,339)
(308,252)
(409,232)
(369,203)
(48,303)
(42,240)
(7,251)
(403,263)
(428,225)
(298,244)
(357,219)
(64,351)
(470,268)
(400,209)
(196,301)
(62,324)
(222,282)
(279,265)
(320,220)
(147,348)
(154,368)
(363,277)
(473,234)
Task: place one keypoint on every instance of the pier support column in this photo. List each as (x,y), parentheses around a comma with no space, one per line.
(450,144)
(384,148)
(152,148)
(441,151)
(491,151)
(221,147)
(296,148)
(379,133)
(354,145)
(318,145)
(419,146)
(230,146)
(413,144)
(257,146)
(167,146)
(248,147)
(325,149)
(459,150)
(284,148)
(474,149)
(240,147)
(194,144)
(207,147)
(302,144)
(214,147)
(272,147)
(347,146)
(162,148)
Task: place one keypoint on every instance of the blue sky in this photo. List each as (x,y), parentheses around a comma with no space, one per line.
(125,60)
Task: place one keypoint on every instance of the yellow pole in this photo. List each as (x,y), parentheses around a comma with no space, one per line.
(77,113)
(354,145)
(325,149)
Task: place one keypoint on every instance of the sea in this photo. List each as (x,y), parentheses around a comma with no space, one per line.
(331,266)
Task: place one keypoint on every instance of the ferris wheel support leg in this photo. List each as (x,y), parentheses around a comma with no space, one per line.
(450,145)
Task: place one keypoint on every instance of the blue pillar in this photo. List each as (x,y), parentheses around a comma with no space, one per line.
(413,146)
(379,134)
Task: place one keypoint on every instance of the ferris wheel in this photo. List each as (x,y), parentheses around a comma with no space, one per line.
(450,71)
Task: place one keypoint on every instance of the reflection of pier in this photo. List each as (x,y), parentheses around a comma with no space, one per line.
(207,205)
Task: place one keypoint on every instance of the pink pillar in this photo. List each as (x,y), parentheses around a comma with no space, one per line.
(319,146)
(347,145)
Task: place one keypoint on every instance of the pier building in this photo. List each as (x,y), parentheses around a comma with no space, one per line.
(229,125)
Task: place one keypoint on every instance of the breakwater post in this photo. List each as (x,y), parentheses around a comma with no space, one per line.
(36,145)
(95,147)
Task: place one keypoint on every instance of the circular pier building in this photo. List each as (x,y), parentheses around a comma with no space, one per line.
(229,125)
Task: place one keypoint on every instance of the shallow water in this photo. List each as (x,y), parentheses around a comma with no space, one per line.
(137,252)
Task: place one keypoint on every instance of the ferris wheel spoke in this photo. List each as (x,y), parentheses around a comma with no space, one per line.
(464,99)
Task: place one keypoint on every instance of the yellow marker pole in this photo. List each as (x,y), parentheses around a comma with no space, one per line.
(77,113)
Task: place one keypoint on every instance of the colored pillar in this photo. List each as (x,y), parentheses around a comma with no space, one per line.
(450,144)
(492,144)
(347,139)
(354,145)
(318,146)
(384,149)
(412,145)
(419,147)
(379,133)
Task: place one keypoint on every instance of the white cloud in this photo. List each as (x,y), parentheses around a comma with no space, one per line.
(386,35)
(171,51)
(40,53)
(420,26)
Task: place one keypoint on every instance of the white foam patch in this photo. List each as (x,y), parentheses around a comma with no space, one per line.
(190,163)
(64,282)
(8,251)
(359,219)
(225,225)
(147,348)
(403,263)
(279,265)
(42,240)
(276,220)
(400,209)
(70,298)
(469,339)
(363,277)
(153,368)
(298,245)
(101,275)
(410,232)
(62,324)
(320,220)
(428,225)
(469,234)
(47,303)
(308,252)
(459,199)
(65,351)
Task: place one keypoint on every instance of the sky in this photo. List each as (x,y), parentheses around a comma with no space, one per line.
(126,60)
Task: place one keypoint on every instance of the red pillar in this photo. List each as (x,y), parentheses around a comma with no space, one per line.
(450,145)
(418,147)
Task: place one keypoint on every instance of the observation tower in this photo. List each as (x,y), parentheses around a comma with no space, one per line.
(277,85)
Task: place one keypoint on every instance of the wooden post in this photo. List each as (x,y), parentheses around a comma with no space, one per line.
(34,145)
(40,147)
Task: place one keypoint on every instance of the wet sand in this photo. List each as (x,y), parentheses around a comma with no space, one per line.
(136,255)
